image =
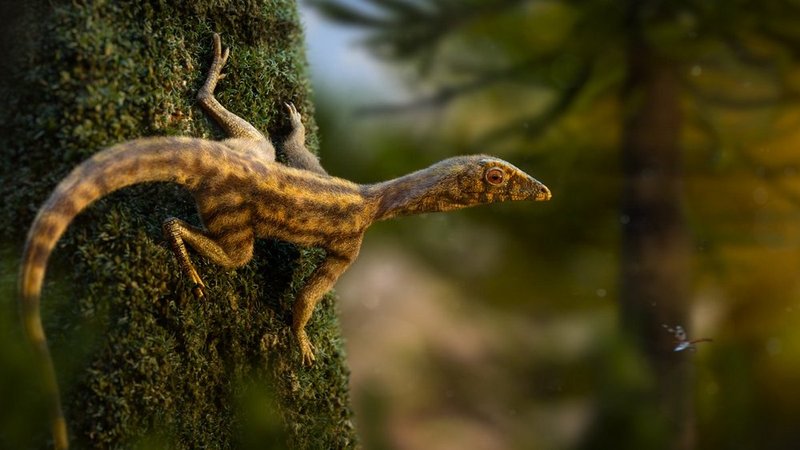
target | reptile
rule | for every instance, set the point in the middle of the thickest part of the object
(243, 193)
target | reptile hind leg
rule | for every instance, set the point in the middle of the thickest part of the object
(231, 252)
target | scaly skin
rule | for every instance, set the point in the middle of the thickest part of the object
(242, 194)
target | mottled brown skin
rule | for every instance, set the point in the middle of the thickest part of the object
(242, 194)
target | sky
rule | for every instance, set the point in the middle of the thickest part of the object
(340, 64)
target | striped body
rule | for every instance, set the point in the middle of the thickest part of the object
(271, 200)
(240, 196)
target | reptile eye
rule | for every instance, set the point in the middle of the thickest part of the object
(495, 176)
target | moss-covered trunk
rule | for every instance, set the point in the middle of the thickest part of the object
(140, 361)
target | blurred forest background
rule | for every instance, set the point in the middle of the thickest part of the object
(667, 132)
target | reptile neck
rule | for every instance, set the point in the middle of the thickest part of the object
(416, 193)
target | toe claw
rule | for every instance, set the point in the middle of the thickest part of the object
(199, 291)
(308, 357)
(294, 115)
(225, 54)
(220, 54)
(306, 349)
(217, 43)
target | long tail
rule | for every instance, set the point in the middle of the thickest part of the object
(143, 160)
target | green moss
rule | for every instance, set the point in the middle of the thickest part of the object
(142, 363)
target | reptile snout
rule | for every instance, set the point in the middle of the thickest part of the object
(537, 191)
(543, 194)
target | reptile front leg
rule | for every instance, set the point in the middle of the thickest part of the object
(294, 146)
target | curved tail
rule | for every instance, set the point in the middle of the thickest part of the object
(137, 161)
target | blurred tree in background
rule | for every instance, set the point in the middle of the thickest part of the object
(666, 131)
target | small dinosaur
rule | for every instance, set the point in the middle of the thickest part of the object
(242, 194)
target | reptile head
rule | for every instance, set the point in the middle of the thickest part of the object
(457, 183)
(485, 179)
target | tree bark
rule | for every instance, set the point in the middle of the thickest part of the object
(140, 361)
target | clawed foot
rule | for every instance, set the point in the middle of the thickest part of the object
(199, 288)
(215, 71)
(306, 349)
(294, 116)
(220, 56)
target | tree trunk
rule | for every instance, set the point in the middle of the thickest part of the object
(655, 257)
(140, 361)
